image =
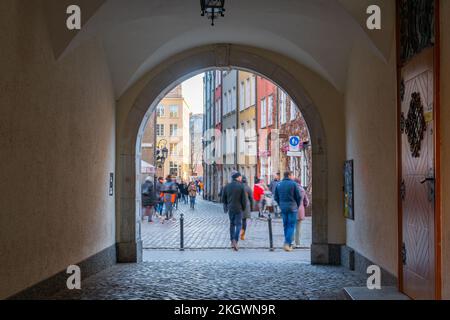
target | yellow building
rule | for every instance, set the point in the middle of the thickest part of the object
(172, 131)
(247, 146)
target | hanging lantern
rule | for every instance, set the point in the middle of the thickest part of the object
(212, 9)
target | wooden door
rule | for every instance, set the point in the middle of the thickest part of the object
(419, 163)
(418, 177)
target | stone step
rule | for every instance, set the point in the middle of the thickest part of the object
(363, 293)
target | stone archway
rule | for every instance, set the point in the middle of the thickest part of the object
(158, 83)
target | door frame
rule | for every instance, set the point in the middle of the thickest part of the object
(437, 157)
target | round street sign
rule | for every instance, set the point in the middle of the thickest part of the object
(294, 143)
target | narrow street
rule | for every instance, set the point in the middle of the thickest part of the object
(209, 270)
(207, 227)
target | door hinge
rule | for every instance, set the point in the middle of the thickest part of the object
(404, 253)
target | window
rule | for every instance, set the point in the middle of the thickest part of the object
(247, 93)
(263, 113)
(174, 111)
(160, 130)
(242, 96)
(173, 130)
(173, 149)
(270, 111)
(229, 104)
(234, 141)
(293, 110)
(242, 136)
(225, 142)
(225, 103)
(233, 99)
(304, 170)
(252, 91)
(218, 78)
(173, 167)
(160, 111)
(283, 107)
(218, 111)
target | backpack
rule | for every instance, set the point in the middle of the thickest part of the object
(147, 189)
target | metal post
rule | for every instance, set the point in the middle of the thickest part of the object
(269, 221)
(182, 232)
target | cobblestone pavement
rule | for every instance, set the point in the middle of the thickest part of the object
(207, 227)
(218, 275)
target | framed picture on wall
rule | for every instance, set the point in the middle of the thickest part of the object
(349, 211)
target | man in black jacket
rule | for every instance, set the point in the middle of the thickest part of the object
(234, 203)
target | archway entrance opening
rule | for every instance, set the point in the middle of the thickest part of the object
(202, 132)
(158, 82)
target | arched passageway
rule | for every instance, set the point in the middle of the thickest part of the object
(158, 83)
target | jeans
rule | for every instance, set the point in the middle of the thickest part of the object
(169, 210)
(192, 202)
(289, 222)
(235, 225)
(159, 208)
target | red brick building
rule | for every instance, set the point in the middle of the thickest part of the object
(267, 123)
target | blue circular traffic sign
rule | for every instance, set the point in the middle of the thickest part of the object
(294, 141)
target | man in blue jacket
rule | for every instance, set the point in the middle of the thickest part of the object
(288, 197)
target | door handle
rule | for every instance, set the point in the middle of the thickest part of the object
(427, 180)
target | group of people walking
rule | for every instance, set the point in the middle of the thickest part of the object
(288, 194)
(162, 198)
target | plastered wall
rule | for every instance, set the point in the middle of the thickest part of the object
(370, 120)
(57, 142)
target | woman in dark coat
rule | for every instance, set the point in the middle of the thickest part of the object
(248, 208)
(148, 198)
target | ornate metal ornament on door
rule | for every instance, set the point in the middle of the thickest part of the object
(415, 124)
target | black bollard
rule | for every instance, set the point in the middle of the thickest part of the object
(269, 221)
(182, 232)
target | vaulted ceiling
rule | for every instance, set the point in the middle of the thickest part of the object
(139, 34)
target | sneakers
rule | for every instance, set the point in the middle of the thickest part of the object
(288, 248)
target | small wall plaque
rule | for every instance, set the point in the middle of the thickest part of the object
(111, 184)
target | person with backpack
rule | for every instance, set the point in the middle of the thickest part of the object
(160, 196)
(192, 191)
(148, 198)
(272, 187)
(184, 192)
(170, 191)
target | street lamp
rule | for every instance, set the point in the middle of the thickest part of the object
(162, 153)
(212, 9)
